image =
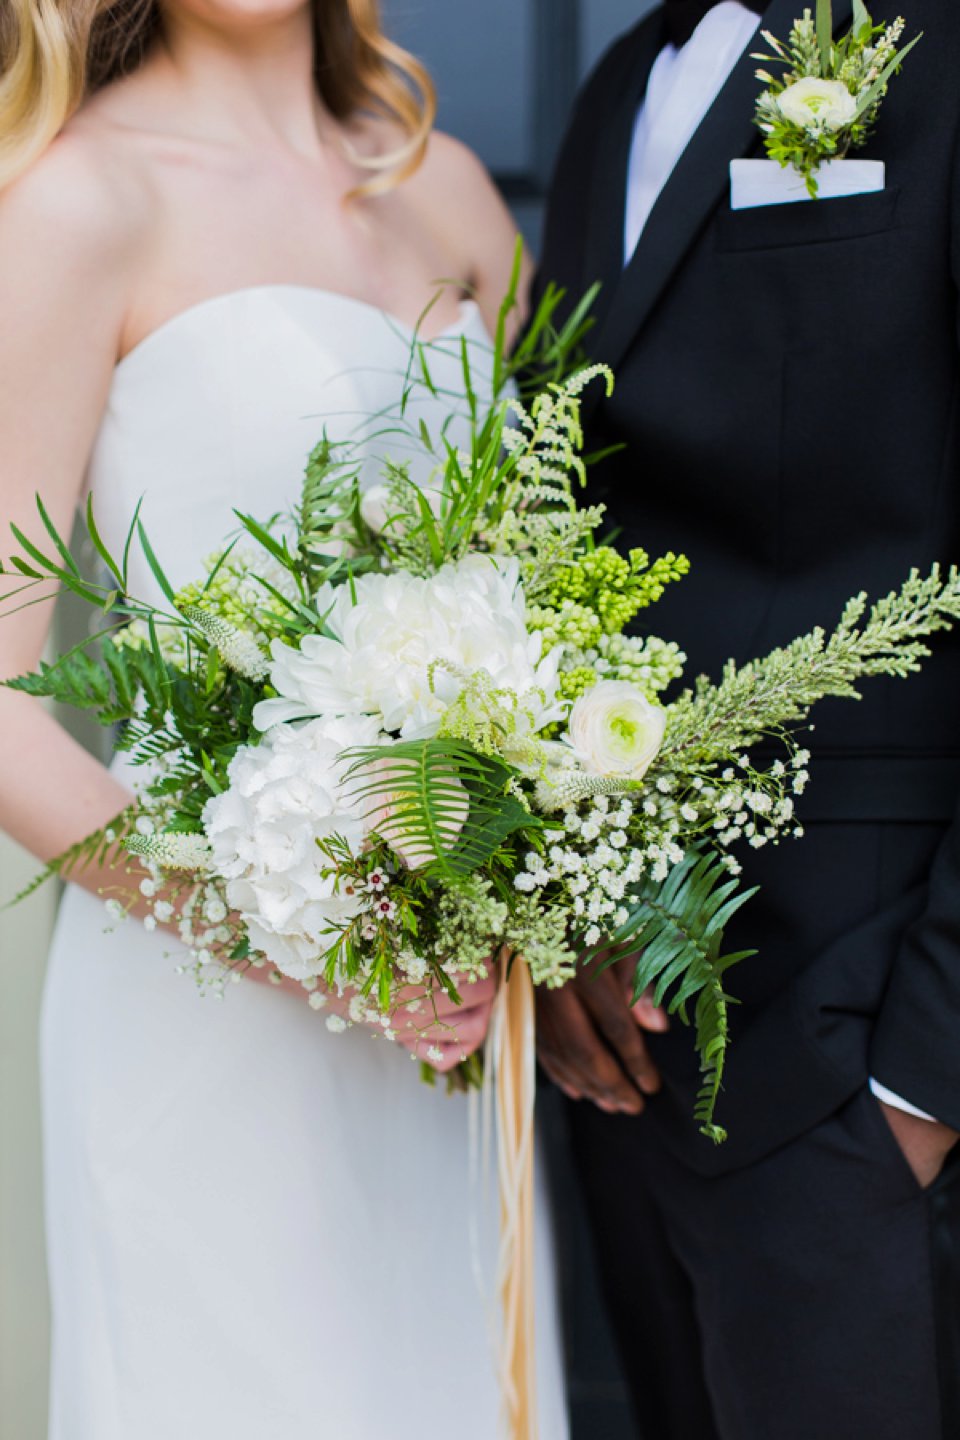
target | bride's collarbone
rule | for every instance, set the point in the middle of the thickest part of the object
(220, 247)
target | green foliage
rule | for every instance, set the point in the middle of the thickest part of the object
(194, 717)
(329, 512)
(107, 687)
(549, 349)
(763, 697)
(467, 1076)
(676, 928)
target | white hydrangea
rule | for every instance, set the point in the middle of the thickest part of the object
(284, 795)
(402, 647)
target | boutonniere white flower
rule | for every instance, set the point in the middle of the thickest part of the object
(825, 101)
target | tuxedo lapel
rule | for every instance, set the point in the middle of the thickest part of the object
(606, 209)
(696, 186)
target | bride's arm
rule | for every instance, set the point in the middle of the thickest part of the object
(68, 241)
(71, 233)
(469, 212)
(70, 237)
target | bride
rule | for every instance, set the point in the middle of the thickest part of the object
(220, 223)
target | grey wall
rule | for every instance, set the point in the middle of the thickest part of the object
(24, 934)
(507, 72)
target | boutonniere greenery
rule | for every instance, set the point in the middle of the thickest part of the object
(824, 102)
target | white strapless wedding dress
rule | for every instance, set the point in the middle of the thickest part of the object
(258, 1230)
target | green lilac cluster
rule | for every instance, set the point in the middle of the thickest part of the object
(237, 589)
(571, 684)
(600, 593)
(646, 661)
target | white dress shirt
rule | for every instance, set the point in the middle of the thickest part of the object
(682, 87)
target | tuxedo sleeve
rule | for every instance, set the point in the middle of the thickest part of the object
(916, 1044)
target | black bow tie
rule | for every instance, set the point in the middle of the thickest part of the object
(681, 17)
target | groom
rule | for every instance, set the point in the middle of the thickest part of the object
(788, 396)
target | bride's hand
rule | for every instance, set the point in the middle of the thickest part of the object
(441, 1032)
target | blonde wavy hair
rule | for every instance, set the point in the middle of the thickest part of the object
(54, 53)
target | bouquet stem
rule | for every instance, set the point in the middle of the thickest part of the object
(513, 1053)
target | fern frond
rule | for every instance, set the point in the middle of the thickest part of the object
(440, 799)
(677, 928)
(107, 685)
(103, 845)
(329, 507)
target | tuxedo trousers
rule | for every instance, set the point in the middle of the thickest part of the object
(814, 1293)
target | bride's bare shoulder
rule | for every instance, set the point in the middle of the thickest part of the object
(466, 208)
(84, 205)
(452, 175)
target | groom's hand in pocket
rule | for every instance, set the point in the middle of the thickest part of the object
(590, 1038)
(925, 1143)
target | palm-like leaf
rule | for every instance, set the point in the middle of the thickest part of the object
(440, 801)
(677, 929)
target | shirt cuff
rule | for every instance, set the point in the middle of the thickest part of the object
(889, 1098)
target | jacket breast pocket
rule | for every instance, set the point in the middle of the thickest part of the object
(814, 222)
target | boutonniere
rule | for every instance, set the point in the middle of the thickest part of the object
(825, 101)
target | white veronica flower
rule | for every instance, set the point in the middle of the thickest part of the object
(616, 731)
(388, 634)
(284, 795)
(817, 105)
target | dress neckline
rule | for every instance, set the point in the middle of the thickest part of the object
(468, 308)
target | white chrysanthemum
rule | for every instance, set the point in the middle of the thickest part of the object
(284, 795)
(389, 632)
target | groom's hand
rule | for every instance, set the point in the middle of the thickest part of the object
(590, 1038)
(925, 1143)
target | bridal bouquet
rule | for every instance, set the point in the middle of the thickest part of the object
(396, 731)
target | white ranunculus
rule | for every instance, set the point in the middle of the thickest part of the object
(615, 730)
(284, 795)
(376, 508)
(388, 631)
(817, 104)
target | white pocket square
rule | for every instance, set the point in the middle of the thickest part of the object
(765, 182)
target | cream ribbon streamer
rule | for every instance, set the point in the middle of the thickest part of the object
(512, 1064)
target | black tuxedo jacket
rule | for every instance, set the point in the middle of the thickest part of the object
(788, 390)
